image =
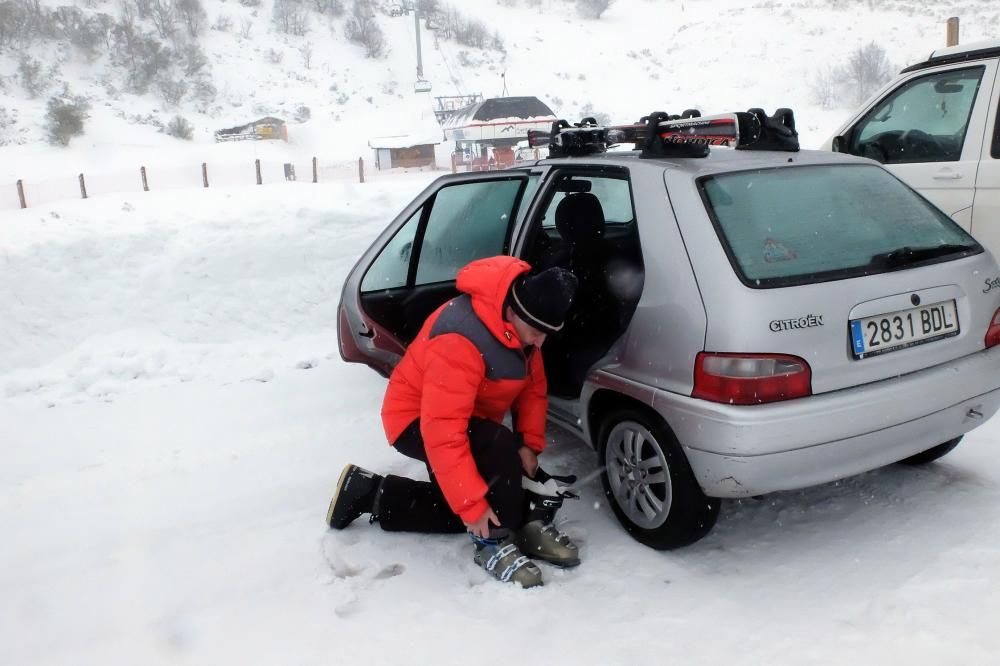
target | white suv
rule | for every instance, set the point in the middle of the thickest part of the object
(937, 127)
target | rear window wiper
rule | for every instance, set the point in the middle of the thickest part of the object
(907, 255)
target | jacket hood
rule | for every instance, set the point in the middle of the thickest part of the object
(487, 281)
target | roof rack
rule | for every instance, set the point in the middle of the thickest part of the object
(664, 135)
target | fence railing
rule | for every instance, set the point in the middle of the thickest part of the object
(26, 192)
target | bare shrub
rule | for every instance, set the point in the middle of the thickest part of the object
(472, 32)
(329, 7)
(275, 57)
(866, 70)
(8, 123)
(223, 23)
(65, 116)
(824, 89)
(171, 91)
(83, 32)
(363, 29)
(142, 7)
(34, 79)
(203, 92)
(250, 3)
(306, 52)
(164, 16)
(21, 22)
(192, 14)
(192, 59)
(302, 113)
(290, 16)
(142, 56)
(467, 31)
(180, 128)
(592, 8)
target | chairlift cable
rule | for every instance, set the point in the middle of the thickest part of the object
(460, 84)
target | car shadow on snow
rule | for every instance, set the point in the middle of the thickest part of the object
(885, 513)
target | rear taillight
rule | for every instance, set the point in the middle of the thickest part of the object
(750, 379)
(993, 332)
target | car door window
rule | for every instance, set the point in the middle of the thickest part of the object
(467, 222)
(392, 266)
(462, 222)
(925, 120)
(613, 193)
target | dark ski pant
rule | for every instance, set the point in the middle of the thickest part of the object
(405, 505)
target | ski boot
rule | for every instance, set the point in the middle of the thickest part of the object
(354, 496)
(538, 537)
(502, 560)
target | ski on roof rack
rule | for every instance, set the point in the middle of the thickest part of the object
(664, 135)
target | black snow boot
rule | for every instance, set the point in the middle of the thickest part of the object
(354, 496)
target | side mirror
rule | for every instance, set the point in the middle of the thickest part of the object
(839, 144)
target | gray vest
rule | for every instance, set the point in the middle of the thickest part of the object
(459, 317)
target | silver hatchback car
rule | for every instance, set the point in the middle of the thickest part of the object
(748, 320)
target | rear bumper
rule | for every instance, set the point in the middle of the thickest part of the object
(736, 451)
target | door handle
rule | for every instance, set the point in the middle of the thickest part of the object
(366, 332)
(947, 174)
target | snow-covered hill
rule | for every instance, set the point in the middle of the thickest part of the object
(641, 55)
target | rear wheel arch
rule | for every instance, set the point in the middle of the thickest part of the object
(605, 402)
(687, 514)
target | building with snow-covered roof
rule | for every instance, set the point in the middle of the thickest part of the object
(486, 133)
(499, 121)
(414, 144)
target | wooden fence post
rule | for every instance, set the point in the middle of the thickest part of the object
(361, 169)
(145, 183)
(20, 194)
(315, 172)
(952, 36)
(83, 187)
(454, 164)
(257, 166)
(204, 173)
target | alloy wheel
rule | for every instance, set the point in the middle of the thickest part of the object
(638, 474)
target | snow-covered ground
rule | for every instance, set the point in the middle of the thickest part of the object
(174, 414)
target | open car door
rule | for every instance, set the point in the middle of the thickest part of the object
(410, 270)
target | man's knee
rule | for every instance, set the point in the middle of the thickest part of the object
(485, 433)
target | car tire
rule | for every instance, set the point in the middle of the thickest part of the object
(932, 454)
(649, 483)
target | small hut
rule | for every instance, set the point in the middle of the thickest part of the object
(414, 146)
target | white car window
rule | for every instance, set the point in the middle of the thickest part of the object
(924, 120)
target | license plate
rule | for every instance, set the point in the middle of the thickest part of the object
(904, 328)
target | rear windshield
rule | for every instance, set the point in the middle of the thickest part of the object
(803, 224)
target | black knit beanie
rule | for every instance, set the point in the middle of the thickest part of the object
(542, 300)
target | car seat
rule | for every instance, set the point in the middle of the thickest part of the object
(592, 321)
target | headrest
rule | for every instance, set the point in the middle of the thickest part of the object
(580, 218)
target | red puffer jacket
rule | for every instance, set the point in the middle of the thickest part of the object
(467, 361)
